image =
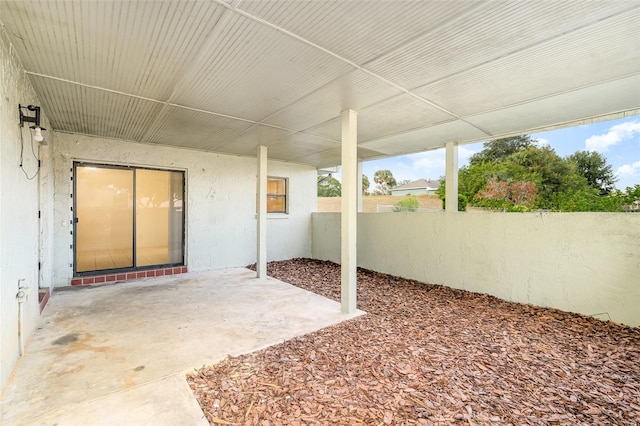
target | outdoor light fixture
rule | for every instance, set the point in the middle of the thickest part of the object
(37, 136)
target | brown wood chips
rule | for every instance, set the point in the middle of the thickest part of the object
(429, 355)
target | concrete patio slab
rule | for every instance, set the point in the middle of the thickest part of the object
(109, 351)
(163, 402)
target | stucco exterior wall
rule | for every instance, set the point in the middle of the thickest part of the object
(19, 225)
(587, 263)
(221, 201)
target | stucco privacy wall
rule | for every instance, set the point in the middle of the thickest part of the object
(579, 262)
(221, 201)
(19, 228)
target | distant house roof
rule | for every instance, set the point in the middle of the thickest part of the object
(419, 184)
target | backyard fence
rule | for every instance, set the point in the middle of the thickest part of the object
(386, 208)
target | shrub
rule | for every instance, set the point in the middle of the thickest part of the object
(462, 203)
(409, 203)
(518, 208)
(507, 196)
(588, 200)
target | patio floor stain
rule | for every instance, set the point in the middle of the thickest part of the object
(66, 339)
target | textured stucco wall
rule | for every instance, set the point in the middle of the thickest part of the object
(221, 200)
(579, 262)
(19, 226)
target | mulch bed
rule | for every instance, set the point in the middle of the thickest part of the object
(427, 354)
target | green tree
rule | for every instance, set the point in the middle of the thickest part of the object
(517, 164)
(593, 166)
(513, 174)
(550, 172)
(330, 187)
(631, 198)
(499, 149)
(385, 181)
(473, 178)
(365, 185)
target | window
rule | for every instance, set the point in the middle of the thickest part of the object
(277, 195)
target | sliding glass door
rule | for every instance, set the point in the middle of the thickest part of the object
(127, 218)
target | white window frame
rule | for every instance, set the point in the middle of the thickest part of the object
(286, 197)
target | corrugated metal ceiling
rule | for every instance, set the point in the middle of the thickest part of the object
(227, 76)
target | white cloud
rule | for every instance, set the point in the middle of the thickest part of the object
(541, 142)
(428, 160)
(431, 164)
(465, 153)
(615, 135)
(629, 169)
(436, 158)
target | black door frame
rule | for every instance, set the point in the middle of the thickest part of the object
(133, 169)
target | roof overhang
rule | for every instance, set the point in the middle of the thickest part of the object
(229, 76)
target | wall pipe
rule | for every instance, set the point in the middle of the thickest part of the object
(21, 297)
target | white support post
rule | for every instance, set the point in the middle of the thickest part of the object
(349, 210)
(359, 185)
(451, 177)
(261, 263)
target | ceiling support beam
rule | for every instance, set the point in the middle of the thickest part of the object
(166, 104)
(349, 215)
(451, 177)
(261, 262)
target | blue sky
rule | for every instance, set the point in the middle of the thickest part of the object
(618, 140)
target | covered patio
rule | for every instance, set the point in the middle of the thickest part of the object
(118, 354)
(218, 99)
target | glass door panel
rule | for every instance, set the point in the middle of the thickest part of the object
(104, 218)
(159, 217)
